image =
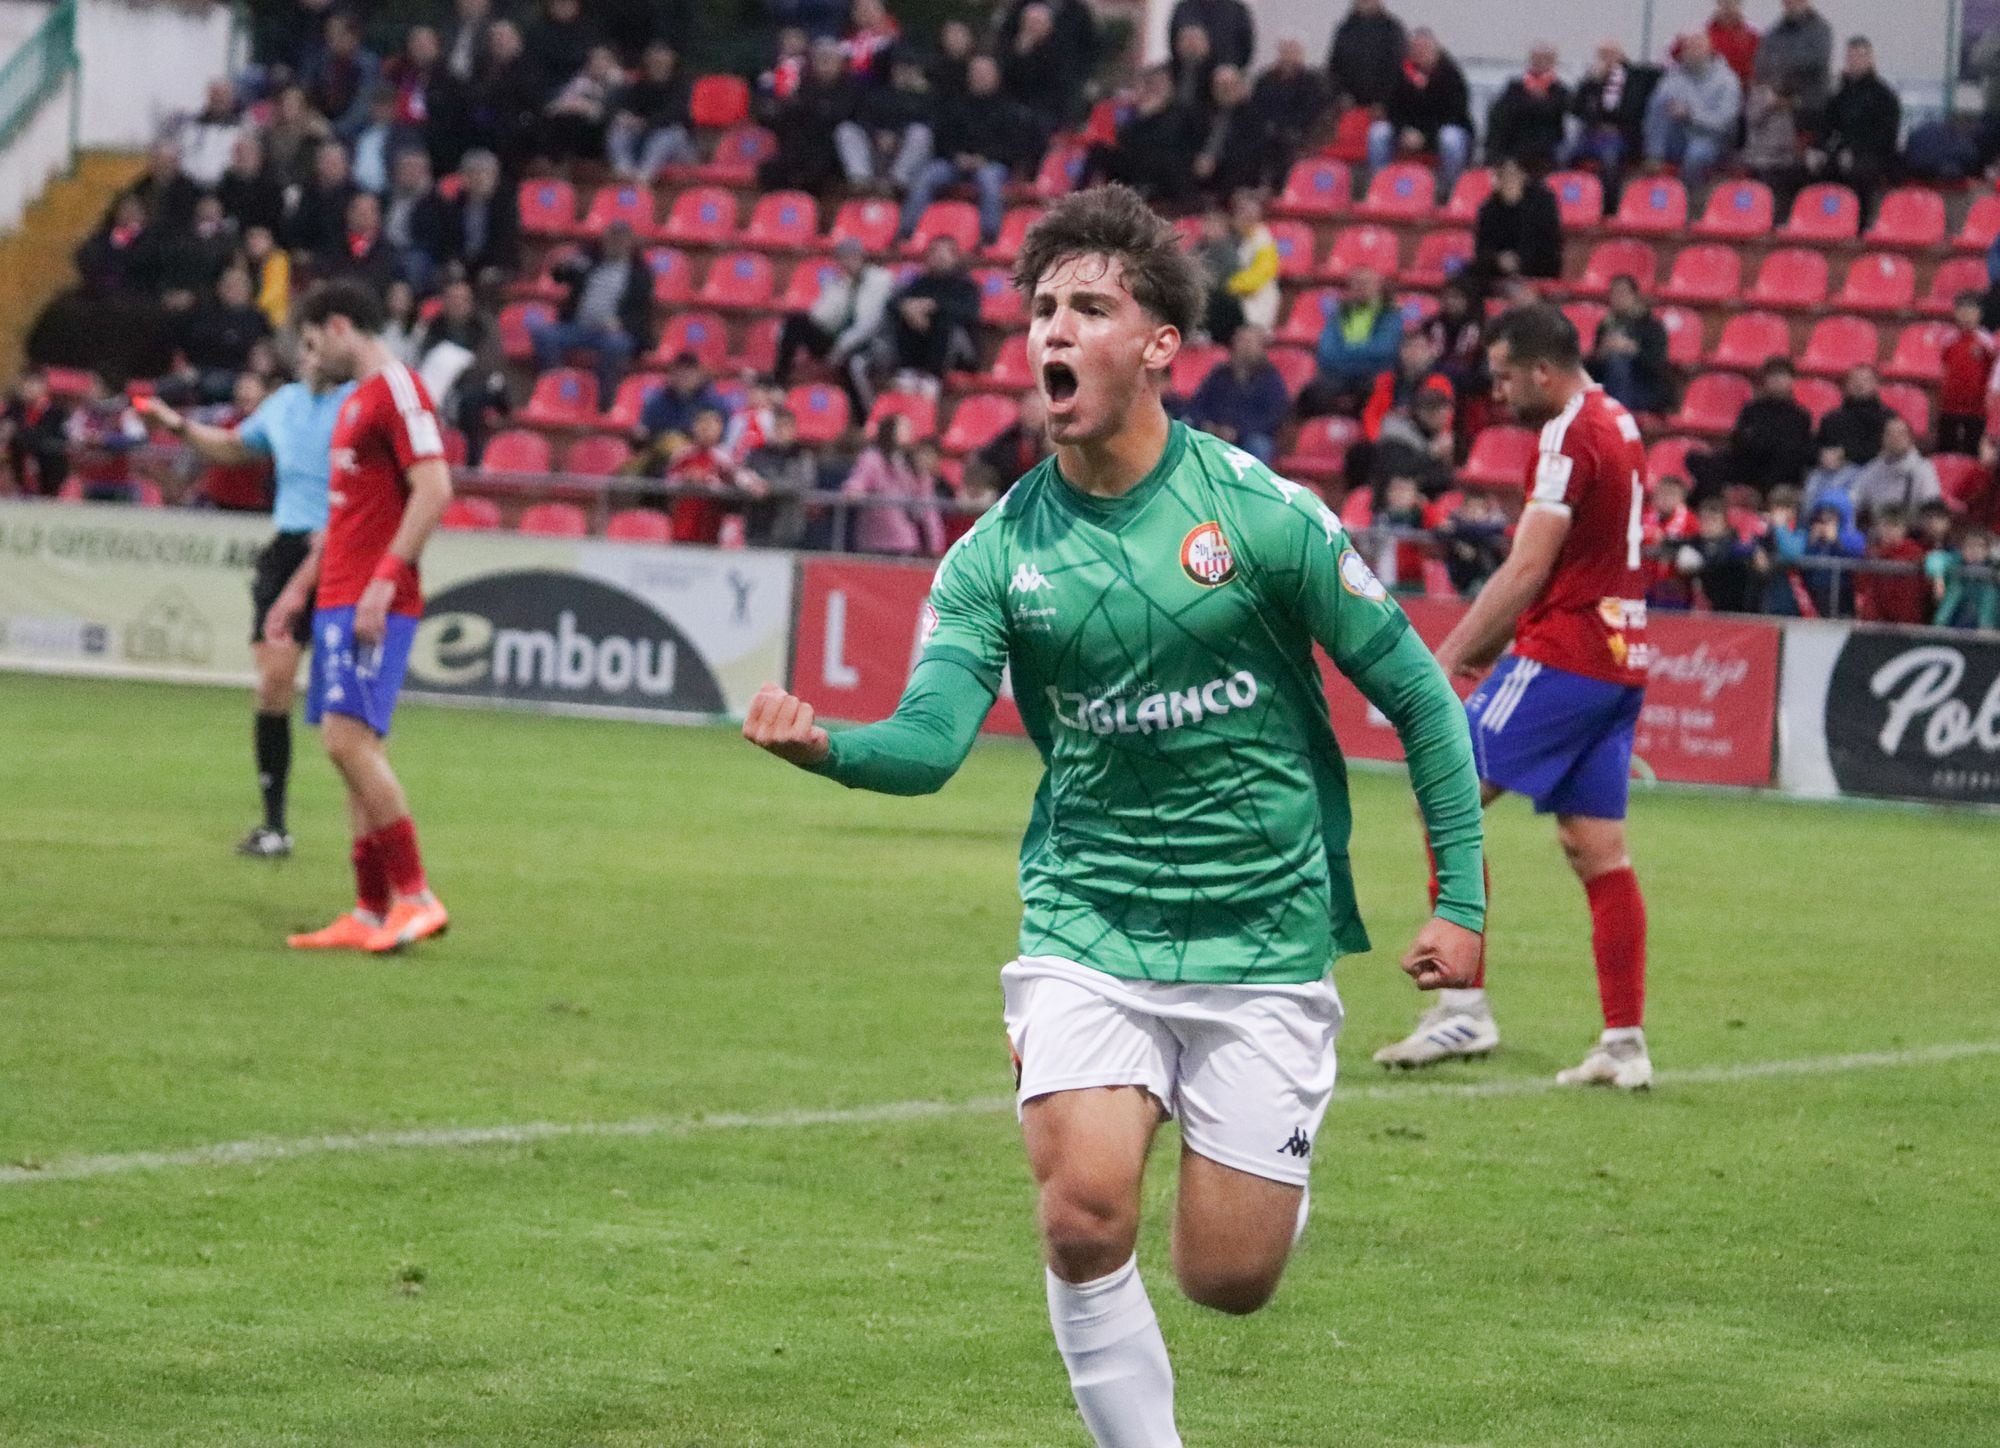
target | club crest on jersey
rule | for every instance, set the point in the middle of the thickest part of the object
(1359, 579)
(1205, 556)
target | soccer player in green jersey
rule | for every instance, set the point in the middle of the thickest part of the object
(1155, 595)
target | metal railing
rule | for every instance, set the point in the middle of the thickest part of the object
(37, 70)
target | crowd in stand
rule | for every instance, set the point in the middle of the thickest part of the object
(350, 151)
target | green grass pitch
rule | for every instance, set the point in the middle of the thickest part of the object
(659, 923)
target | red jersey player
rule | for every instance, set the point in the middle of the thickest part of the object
(1555, 718)
(390, 485)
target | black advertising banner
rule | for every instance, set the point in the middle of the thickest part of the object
(1916, 716)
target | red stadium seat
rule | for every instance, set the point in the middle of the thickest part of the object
(517, 451)
(1683, 335)
(1368, 246)
(563, 397)
(543, 286)
(1350, 136)
(1013, 231)
(554, 520)
(1793, 277)
(1316, 186)
(1712, 402)
(631, 399)
(1296, 365)
(1294, 240)
(1467, 195)
(1608, 259)
(737, 156)
(1000, 301)
(1586, 317)
(1401, 191)
(673, 278)
(1981, 225)
(1667, 458)
(1964, 481)
(1305, 322)
(471, 515)
(1100, 127)
(1737, 211)
(1441, 255)
(1909, 218)
(1357, 509)
(632, 205)
(1749, 339)
(1912, 404)
(1878, 282)
(1499, 458)
(1960, 274)
(1062, 168)
(918, 412)
(1839, 344)
(739, 281)
(1579, 199)
(804, 287)
(1321, 450)
(1192, 366)
(701, 216)
(821, 412)
(597, 456)
(1816, 395)
(1705, 275)
(958, 220)
(514, 321)
(1010, 371)
(548, 208)
(1918, 355)
(702, 333)
(978, 420)
(759, 352)
(1824, 213)
(783, 221)
(718, 101)
(639, 525)
(1652, 204)
(870, 222)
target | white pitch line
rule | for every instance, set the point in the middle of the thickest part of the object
(257, 1151)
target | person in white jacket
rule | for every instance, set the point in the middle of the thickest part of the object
(1691, 118)
(845, 317)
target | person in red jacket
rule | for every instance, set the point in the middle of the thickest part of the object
(1893, 597)
(1734, 39)
(1968, 366)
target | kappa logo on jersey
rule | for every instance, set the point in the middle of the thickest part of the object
(1300, 1145)
(1028, 579)
(1359, 579)
(1205, 556)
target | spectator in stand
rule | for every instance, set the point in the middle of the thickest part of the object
(270, 268)
(319, 213)
(559, 43)
(1934, 526)
(1778, 554)
(607, 309)
(505, 102)
(249, 195)
(1243, 400)
(374, 146)
(362, 252)
(1076, 41)
(1796, 57)
(1238, 152)
(1610, 109)
(666, 421)
(1526, 122)
(207, 138)
(399, 328)
(1214, 251)
(1629, 356)
(1474, 541)
(1771, 444)
(192, 259)
(1360, 339)
(1036, 70)
(787, 73)
(946, 70)
(1252, 281)
(808, 123)
(1861, 130)
(1968, 367)
(414, 217)
(1964, 583)
(1692, 117)
(930, 325)
(103, 433)
(1719, 563)
(982, 137)
(785, 470)
(871, 38)
(1399, 561)
(1669, 522)
(1773, 150)
(1232, 33)
(1518, 231)
(1456, 333)
(890, 142)
(482, 225)
(1829, 591)
(1001, 463)
(168, 195)
(649, 119)
(845, 317)
(1428, 112)
(34, 425)
(1734, 40)
(1415, 442)
(123, 255)
(1293, 100)
(1400, 385)
(1898, 477)
(1831, 485)
(886, 470)
(430, 102)
(1192, 65)
(1366, 53)
(465, 46)
(341, 79)
(1155, 148)
(293, 137)
(1856, 425)
(705, 464)
(576, 123)
(1902, 595)
(459, 358)
(215, 340)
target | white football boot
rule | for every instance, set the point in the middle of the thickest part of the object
(1618, 1059)
(1459, 1027)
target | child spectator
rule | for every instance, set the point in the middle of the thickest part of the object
(1779, 553)
(704, 463)
(1399, 562)
(1899, 596)
(785, 470)
(1831, 485)
(102, 433)
(1718, 561)
(886, 469)
(1668, 522)
(1965, 583)
(1829, 591)
(1399, 386)
(1456, 333)
(1415, 442)
(34, 427)
(1968, 366)
(1475, 541)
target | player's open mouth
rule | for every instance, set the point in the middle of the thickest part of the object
(1058, 382)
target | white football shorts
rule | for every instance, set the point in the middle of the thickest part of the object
(1248, 1069)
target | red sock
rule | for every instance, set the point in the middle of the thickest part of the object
(1486, 873)
(401, 861)
(371, 878)
(1618, 941)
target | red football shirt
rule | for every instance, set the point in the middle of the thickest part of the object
(1590, 617)
(384, 428)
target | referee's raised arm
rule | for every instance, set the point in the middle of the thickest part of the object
(219, 445)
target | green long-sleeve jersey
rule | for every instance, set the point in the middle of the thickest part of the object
(1192, 823)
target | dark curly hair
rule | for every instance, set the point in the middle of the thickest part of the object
(1113, 221)
(354, 300)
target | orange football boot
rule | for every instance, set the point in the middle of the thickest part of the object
(349, 931)
(408, 922)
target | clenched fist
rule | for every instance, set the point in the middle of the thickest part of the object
(1443, 956)
(783, 724)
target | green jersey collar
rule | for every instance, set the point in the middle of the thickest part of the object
(1114, 512)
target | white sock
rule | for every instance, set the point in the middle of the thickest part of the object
(1614, 1034)
(1305, 1211)
(1117, 1360)
(1467, 1002)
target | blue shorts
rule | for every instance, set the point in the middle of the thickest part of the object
(361, 683)
(1563, 740)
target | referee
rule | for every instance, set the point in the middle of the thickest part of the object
(293, 428)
